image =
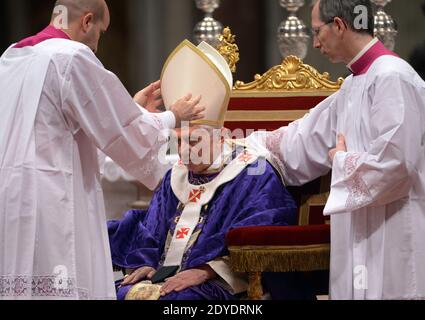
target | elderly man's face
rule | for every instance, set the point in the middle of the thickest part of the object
(324, 36)
(198, 147)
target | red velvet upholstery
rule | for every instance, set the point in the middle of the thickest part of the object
(279, 236)
(253, 104)
(274, 103)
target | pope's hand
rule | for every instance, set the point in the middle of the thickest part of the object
(340, 146)
(187, 109)
(187, 279)
(150, 97)
(144, 273)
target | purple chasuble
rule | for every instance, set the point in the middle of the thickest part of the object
(140, 238)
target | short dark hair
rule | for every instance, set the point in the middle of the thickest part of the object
(345, 10)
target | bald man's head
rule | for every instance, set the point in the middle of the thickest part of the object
(83, 20)
(77, 8)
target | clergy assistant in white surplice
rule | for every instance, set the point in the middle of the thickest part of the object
(58, 107)
(371, 134)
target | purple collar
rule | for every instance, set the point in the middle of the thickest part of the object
(49, 33)
(362, 65)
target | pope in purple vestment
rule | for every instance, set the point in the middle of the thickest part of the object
(140, 238)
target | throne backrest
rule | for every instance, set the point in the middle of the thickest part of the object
(283, 94)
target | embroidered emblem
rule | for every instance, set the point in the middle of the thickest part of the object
(182, 233)
(195, 195)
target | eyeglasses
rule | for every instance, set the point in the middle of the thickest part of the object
(316, 31)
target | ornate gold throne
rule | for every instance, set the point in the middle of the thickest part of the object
(283, 94)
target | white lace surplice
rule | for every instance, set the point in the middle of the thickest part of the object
(53, 235)
(377, 200)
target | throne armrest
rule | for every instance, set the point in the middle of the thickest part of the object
(280, 249)
(255, 250)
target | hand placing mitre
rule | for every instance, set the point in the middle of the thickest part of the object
(144, 273)
(150, 97)
(188, 278)
(340, 146)
(187, 109)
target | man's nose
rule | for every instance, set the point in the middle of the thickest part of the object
(316, 43)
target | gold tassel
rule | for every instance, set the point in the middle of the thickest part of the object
(280, 259)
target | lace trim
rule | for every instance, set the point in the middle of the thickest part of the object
(150, 165)
(40, 286)
(273, 142)
(152, 159)
(358, 190)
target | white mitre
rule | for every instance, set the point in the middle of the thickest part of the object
(200, 70)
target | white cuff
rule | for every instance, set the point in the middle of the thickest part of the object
(237, 281)
(168, 119)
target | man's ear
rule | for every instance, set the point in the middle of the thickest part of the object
(340, 25)
(87, 21)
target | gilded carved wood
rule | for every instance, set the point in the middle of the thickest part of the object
(291, 75)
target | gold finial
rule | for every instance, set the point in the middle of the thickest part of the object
(291, 75)
(229, 49)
